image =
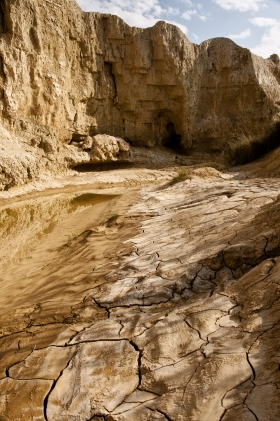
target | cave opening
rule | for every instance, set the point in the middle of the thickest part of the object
(5, 17)
(3, 27)
(172, 139)
(2, 71)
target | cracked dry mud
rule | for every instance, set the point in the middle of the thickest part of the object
(171, 312)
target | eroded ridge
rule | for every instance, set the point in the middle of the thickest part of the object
(179, 323)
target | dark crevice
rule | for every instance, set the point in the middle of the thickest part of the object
(140, 353)
(109, 68)
(3, 22)
(91, 341)
(250, 410)
(3, 76)
(53, 386)
(45, 403)
(103, 307)
(110, 307)
(233, 388)
(223, 414)
(7, 371)
(104, 166)
(190, 326)
(164, 414)
(252, 368)
(261, 333)
(6, 24)
(178, 361)
(28, 380)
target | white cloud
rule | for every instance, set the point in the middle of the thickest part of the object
(187, 2)
(188, 14)
(270, 41)
(195, 36)
(263, 21)
(199, 6)
(171, 11)
(179, 25)
(118, 6)
(203, 18)
(140, 13)
(240, 5)
(242, 35)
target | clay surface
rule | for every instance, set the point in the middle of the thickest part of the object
(168, 311)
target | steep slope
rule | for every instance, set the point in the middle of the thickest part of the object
(66, 75)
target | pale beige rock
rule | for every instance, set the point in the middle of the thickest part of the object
(236, 341)
(264, 401)
(100, 376)
(175, 334)
(43, 364)
(201, 399)
(100, 331)
(205, 322)
(140, 413)
(108, 148)
(14, 348)
(264, 355)
(140, 396)
(30, 392)
(134, 401)
(171, 375)
(237, 396)
(240, 413)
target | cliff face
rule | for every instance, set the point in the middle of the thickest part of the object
(66, 75)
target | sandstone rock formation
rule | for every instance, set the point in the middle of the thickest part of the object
(171, 310)
(66, 75)
(22, 161)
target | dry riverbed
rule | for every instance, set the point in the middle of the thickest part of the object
(160, 302)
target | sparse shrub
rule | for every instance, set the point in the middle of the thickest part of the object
(249, 151)
(181, 176)
(112, 218)
(217, 165)
(71, 237)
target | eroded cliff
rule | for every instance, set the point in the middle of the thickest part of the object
(66, 75)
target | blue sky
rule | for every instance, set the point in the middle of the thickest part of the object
(254, 24)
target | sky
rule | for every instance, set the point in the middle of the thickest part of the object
(254, 24)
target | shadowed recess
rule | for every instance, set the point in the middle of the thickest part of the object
(248, 152)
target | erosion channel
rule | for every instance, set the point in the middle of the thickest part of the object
(139, 265)
(159, 304)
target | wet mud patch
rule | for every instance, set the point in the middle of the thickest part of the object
(24, 224)
(90, 199)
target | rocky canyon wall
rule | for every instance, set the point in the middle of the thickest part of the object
(66, 75)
